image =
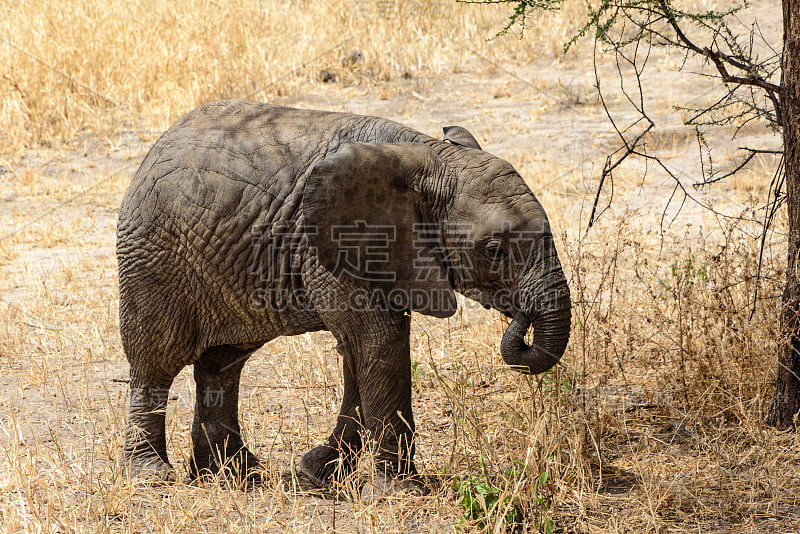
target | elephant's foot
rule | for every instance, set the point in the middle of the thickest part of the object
(240, 465)
(324, 464)
(148, 469)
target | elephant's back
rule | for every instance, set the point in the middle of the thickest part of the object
(212, 176)
(215, 159)
(191, 220)
(231, 162)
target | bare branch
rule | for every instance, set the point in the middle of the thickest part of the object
(775, 188)
(720, 59)
(752, 152)
(774, 92)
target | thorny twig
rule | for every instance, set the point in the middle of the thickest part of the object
(721, 61)
(751, 153)
(629, 147)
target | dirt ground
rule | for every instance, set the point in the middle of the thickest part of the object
(650, 459)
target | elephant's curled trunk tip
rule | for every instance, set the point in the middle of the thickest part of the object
(550, 337)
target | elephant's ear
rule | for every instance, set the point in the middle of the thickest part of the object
(460, 136)
(366, 214)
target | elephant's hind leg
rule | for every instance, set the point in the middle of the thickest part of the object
(145, 449)
(336, 458)
(216, 436)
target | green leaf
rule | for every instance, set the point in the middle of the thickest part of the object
(483, 488)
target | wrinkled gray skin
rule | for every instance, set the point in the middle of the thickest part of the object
(230, 236)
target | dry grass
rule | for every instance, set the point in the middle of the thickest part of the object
(652, 424)
(72, 67)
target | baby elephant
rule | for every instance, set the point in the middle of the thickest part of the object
(248, 221)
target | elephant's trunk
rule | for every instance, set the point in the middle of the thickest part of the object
(545, 305)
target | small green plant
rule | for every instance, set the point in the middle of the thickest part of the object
(546, 525)
(482, 502)
(415, 373)
(685, 273)
(689, 270)
(558, 381)
(558, 385)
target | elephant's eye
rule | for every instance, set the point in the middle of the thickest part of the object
(495, 250)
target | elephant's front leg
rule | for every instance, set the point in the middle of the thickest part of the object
(377, 399)
(337, 458)
(384, 381)
(216, 436)
(379, 343)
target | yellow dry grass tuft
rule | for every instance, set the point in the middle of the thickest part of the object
(72, 67)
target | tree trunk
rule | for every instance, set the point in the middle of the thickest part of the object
(786, 398)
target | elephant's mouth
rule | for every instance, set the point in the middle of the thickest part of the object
(507, 313)
(492, 300)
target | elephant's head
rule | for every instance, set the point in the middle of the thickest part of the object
(410, 223)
